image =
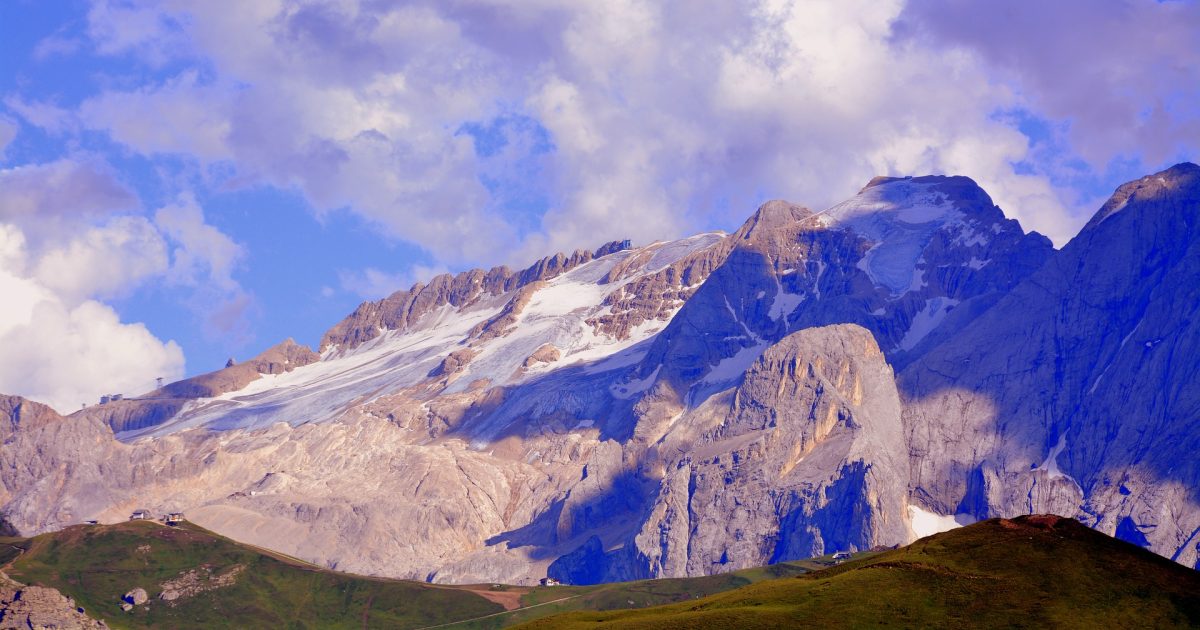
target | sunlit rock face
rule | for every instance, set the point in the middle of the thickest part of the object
(905, 361)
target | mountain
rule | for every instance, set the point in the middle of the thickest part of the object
(902, 362)
(1077, 393)
(1031, 571)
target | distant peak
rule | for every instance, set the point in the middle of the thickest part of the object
(771, 215)
(1166, 182)
(952, 181)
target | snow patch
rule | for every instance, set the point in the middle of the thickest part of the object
(926, 320)
(629, 389)
(926, 523)
(783, 303)
(731, 368)
(345, 378)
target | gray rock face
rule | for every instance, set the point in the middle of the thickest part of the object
(912, 260)
(796, 461)
(696, 406)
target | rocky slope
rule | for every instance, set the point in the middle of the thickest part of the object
(689, 407)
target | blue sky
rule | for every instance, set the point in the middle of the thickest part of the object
(185, 181)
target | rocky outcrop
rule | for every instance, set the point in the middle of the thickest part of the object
(453, 364)
(196, 581)
(546, 353)
(38, 607)
(20, 414)
(136, 596)
(278, 359)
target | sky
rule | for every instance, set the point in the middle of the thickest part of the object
(186, 181)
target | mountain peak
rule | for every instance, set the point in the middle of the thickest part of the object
(910, 200)
(1166, 182)
(771, 215)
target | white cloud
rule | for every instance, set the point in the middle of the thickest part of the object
(1126, 75)
(67, 243)
(204, 258)
(65, 355)
(103, 262)
(203, 254)
(197, 118)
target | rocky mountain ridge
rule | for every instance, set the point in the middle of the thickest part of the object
(816, 381)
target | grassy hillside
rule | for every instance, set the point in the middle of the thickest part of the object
(1028, 572)
(96, 565)
(542, 602)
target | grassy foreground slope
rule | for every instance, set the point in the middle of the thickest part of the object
(98, 564)
(1032, 572)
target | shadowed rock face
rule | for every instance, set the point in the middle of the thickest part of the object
(690, 407)
(1077, 393)
(912, 260)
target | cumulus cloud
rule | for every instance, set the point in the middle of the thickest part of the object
(203, 254)
(194, 118)
(71, 238)
(106, 261)
(67, 354)
(45, 199)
